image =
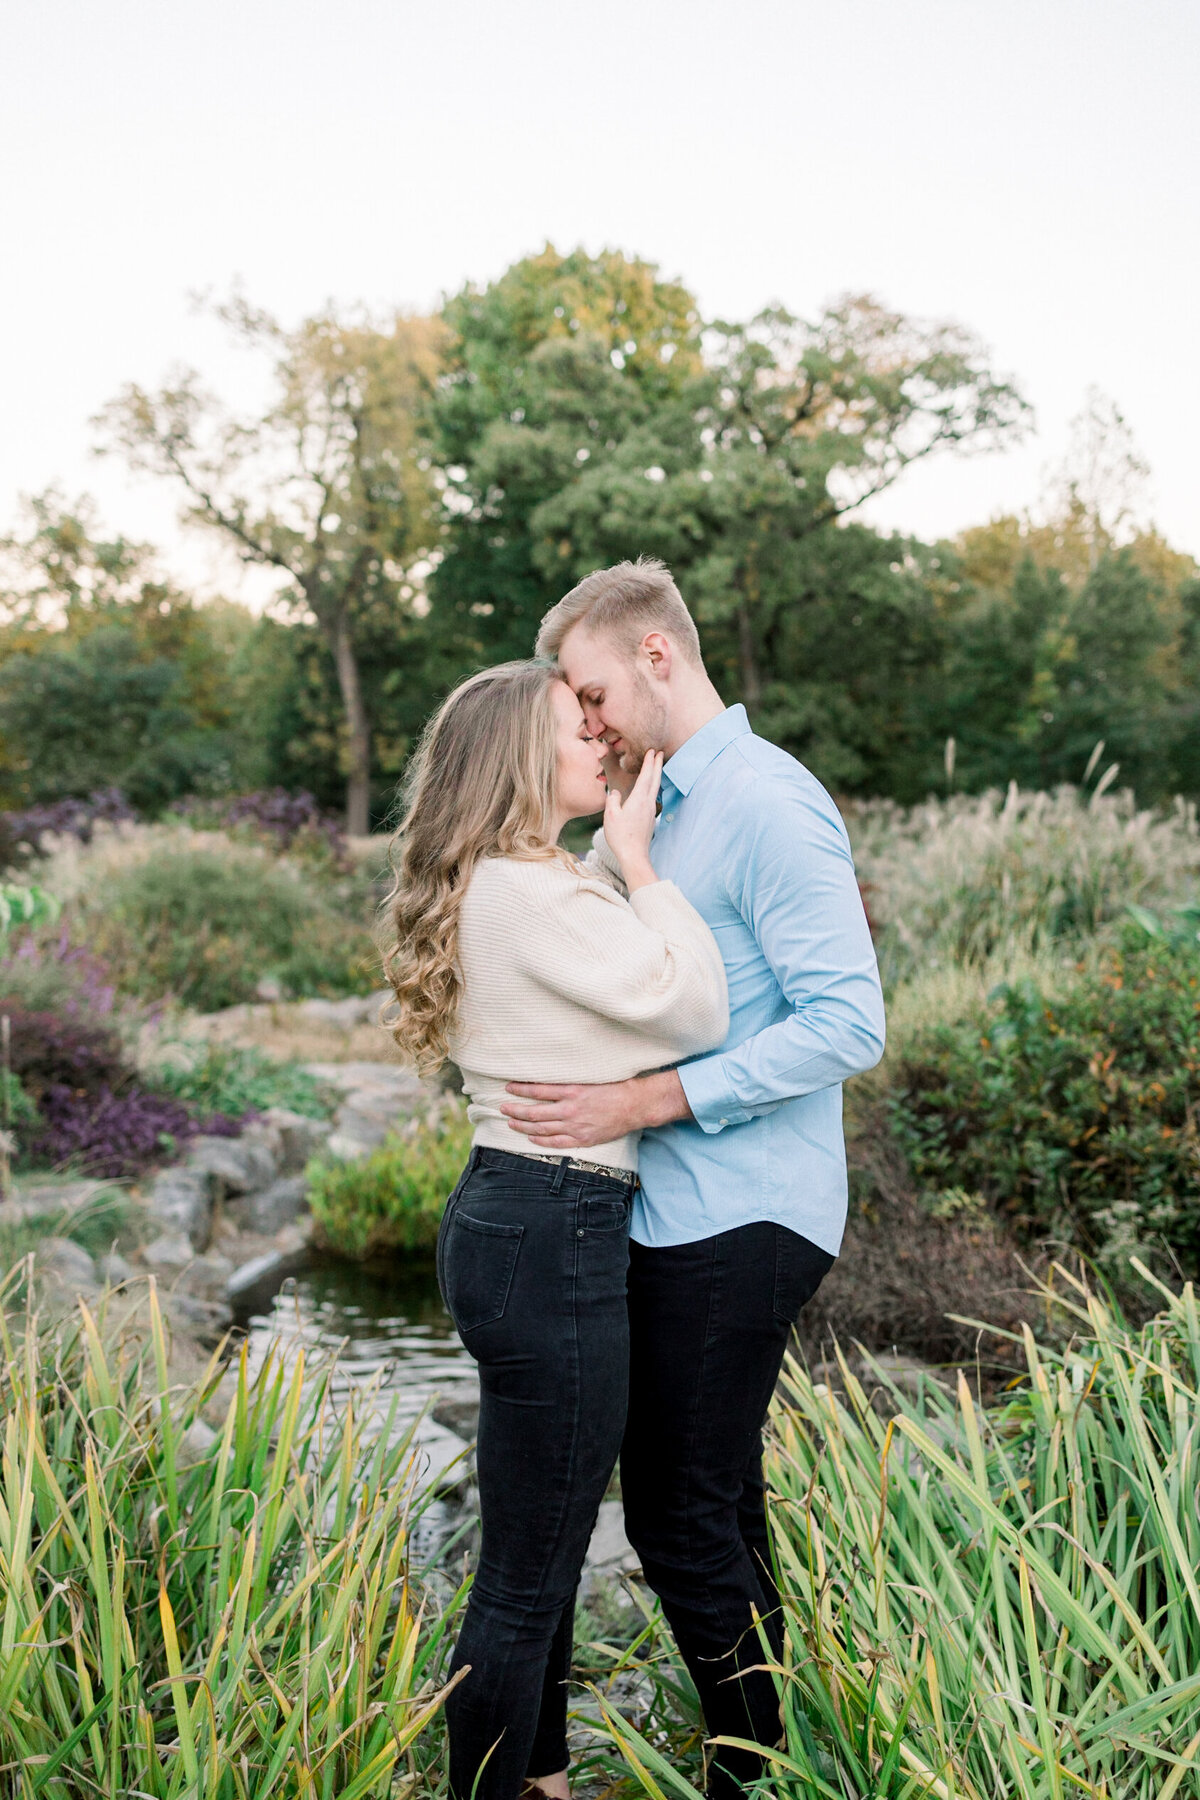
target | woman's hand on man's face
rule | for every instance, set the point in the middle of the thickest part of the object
(629, 821)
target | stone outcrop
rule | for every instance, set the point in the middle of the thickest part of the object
(376, 1099)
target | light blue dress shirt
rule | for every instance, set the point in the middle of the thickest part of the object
(758, 847)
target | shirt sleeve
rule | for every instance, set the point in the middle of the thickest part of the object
(792, 880)
(649, 962)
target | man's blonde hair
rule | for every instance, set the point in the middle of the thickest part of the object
(622, 604)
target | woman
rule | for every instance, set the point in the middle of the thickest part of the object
(523, 964)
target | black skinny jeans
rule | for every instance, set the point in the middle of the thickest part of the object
(532, 1260)
(709, 1324)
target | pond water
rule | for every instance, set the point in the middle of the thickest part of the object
(386, 1321)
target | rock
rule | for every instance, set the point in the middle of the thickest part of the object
(459, 1413)
(206, 1277)
(379, 1098)
(353, 1145)
(442, 1456)
(168, 1254)
(51, 1202)
(196, 1442)
(343, 1015)
(298, 1138)
(907, 1373)
(181, 1200)
(240, 1165)
(269, 990)
(208, 1318)
(280, 1204)
(610, 1552)
(262, 1275)
(175, 1054)
(377, 1077)
(115, 1269)
(66, 1263)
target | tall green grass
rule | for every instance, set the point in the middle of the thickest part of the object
(195, 1615)
(990, 1604)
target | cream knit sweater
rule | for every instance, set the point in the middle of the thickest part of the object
(565, 979)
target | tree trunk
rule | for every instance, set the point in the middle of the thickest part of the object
(358, 731)
(748, 657)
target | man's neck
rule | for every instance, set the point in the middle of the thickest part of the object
(689, 713)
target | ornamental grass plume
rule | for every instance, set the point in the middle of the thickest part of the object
(999, 876)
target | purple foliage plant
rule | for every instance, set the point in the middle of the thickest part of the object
(66, 818)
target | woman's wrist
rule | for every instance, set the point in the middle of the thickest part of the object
(637, 872)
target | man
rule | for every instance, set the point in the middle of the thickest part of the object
(743, 1170)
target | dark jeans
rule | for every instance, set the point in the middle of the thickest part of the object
(709, 1323)
(532, 1259)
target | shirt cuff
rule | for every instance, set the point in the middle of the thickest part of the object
(707, 1093)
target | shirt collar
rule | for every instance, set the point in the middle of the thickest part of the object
(691, 759)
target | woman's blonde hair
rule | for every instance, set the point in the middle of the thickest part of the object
(481, 783)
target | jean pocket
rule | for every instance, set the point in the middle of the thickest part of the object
(604, 1215)
(478, 1262)
(800, 1268)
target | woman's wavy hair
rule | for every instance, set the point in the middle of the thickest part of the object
(481, 783)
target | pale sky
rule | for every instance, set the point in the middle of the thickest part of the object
(1029, 168)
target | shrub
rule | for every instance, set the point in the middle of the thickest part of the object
(49, 972)
(910, 1270)
(207, 1612)
(225, 1078)
(291, 822)
(1073, 1112)
(47, 1051)
(28, 829)
(114, 1135)
(92, 1113)
(19, 1116)
(394, 1198)
(208, 928)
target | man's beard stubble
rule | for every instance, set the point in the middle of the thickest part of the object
(649, 730)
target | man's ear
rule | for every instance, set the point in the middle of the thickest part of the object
(658, 651)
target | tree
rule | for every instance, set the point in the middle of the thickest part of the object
(1101, 483)
(327, 484)
(550, 368)
(61, 574)
(110, 674)
(794, 426)
(77, 716)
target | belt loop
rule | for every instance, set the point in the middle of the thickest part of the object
(473, 1159)
(560, 1175)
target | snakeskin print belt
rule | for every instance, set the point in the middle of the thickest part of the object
(592, 1168)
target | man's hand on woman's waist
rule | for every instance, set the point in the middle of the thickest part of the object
(574, 1116)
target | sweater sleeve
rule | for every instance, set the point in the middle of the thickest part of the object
(649, 962)
(601, 865)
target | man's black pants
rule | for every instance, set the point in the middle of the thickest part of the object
(709, 1323)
